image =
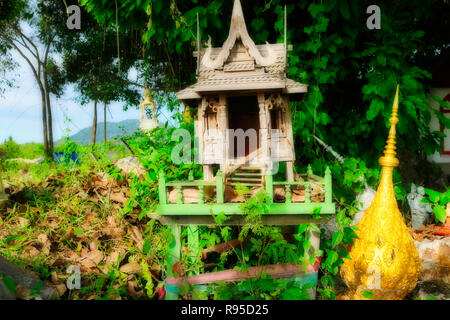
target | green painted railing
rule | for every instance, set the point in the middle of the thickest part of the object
(219, 184)
(321, 181)
(163, 185)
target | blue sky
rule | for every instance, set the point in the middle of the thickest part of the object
(20, 110)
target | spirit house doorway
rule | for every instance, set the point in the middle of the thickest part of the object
(243, 113)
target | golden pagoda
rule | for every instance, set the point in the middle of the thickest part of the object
(384, 262)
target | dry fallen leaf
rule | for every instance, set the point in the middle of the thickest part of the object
(54, 278)
(136, 235)
(118, 197)
(45, 243)
(23, 293)
(91, 259)
(60, 289)
(132, 289)
(131, 268)
(92, 246)
(23, 222)
(33, 252)
(114, 259)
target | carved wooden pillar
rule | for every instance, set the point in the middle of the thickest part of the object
(222, 121)
(290, 135)
(290, 139)
(200, 129)
(289, 171)
(264, 137)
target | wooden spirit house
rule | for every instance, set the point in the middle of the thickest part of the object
(244, 129)
(243, 86)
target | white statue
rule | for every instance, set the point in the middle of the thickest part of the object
(420, 211)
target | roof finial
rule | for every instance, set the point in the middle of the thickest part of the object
(238, 30)
(389, 159)
(238, 13)
(198, 44)
(285, 38)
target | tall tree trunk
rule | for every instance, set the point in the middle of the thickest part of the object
(44, 123)
(94, 124)
(50, 127)
(49, 117)
(47, 99)
(104, 122)
(22, 41)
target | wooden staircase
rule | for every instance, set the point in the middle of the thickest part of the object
(242, 172)
(249, 176)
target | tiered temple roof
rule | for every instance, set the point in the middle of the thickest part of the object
(241, 65)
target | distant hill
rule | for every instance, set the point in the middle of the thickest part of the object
(113, 130)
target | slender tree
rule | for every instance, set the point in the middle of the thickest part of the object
(34, 48)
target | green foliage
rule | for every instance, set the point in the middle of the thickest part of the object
(368, 294)
(333, 52)
(9, 283)
(154, 151)
(438, 201)
(336, 251)
(26, 151)
(67, 146)
(12, 148)
(264, 288)
(261, 245)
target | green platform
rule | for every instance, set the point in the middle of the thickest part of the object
(203, 212)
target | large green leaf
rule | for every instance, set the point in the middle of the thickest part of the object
(440, 213)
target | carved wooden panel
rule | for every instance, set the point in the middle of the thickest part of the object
(213, 144)
(214, 147)
(280, 145)
(281, 149)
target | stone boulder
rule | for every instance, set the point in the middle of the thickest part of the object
(430, 290)
(130, 164)
(24, 281)
(435, 258)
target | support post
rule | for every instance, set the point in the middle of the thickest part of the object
(179, 194)
(309, 171)
(219, 187)
(194, 247)
(290, 171)
(208, 173)
(162, 188)
(264, 129)
(269, 187)
(222, 121)
(307, 192)
(174, 256)
(201, 194)
(288, 194)
(328, 186)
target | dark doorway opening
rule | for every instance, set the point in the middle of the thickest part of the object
(243, 113)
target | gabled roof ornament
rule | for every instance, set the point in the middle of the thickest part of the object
(238, 30)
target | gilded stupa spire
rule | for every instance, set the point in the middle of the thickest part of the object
(384, 259)
(389, 159)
